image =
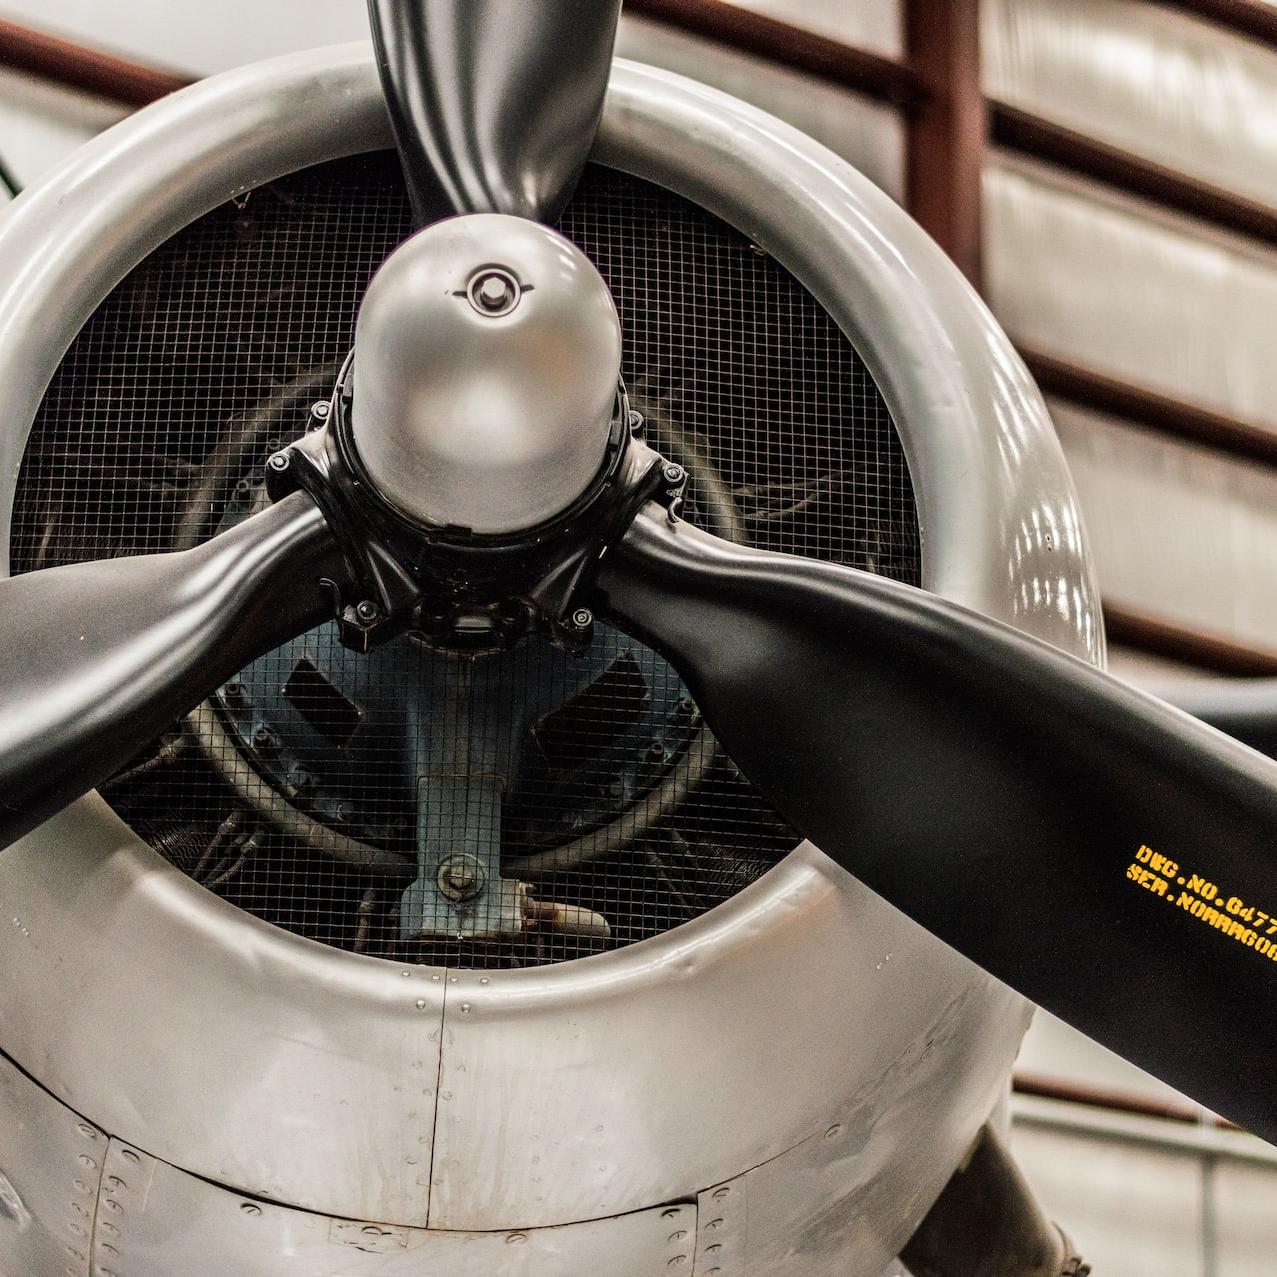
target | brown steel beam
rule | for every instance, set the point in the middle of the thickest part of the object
(86, 70)
(1114, 1100)
(948, 127)
(1041, 139)
(1159, 636)
(1162, 413)
(786, 45)
(1252, 18)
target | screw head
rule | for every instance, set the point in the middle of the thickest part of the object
(494, 291)
(672, 472)
(582, 618)
(263, 737)
(320, 409)
(278, 461)
(367, 611)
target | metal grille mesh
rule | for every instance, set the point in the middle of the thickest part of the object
(297, 791)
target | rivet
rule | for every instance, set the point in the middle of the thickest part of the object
(112, 1204)
(114, 1182)
(677, 1262)
(421, 1004)
(516, 1239)
(465, 1008)
(129, 1155)
(672, 1213)
(714, 1249)
(250, 1208)
(714, 1223)
(86, 1130)
(483, 979)
(678, 1234)
(720, 1193)
(85, 1160)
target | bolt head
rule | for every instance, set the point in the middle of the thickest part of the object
(367, 611)
(494, 291)
(673, 472)
(460, 877)
(582, 618)
(278, 461)
(320, 409)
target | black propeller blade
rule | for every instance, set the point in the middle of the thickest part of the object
(494, 103)
(100, 657)
(1106, 855)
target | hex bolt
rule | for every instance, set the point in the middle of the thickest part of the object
(673, 473)
(278, 461)
(320, 409)
(494, 292)
(460, 877)
(367, 611)
(264, 738)
(582, 618)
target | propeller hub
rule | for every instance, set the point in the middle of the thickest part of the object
(487, 358)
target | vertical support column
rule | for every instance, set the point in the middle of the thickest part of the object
(947, 129)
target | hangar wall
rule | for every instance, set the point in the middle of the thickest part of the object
(1075, 268)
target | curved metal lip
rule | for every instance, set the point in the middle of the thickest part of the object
(962, 401)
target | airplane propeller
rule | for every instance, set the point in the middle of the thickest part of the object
(1104, 854)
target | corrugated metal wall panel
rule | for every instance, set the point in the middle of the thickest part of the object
(868, 134)
(1245, 1219)
(40, 123)
(1132, 1211)
(867, 24)
(1176, 529)
(1162, 84)
(1143, 296)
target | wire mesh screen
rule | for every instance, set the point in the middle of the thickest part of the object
(507, 808)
